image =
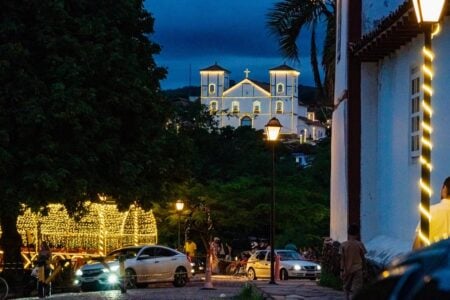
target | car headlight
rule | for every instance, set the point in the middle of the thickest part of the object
(297, 267)
(319, 268)
(112, 279)
(105, 270)
(114, 268)
(79, 272)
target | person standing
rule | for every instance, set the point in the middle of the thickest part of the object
(352, 254)
(190, 247)
(44, 259)
(440, 218)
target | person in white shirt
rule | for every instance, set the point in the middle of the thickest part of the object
(440, 218)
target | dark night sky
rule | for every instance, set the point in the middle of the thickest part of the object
(195, 34)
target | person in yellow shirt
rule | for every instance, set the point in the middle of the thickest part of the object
(440, 218)
(190, 247)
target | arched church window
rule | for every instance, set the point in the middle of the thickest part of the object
(235, 107)
(246, 121)
(213, 106)
(256, 107)
(212, 88)
(279, 107)
(280, 88)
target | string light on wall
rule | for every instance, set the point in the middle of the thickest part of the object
(428, 13)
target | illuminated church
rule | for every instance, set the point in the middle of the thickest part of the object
(253, 103)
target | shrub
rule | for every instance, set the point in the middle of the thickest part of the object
(249, 292)
(330, 280)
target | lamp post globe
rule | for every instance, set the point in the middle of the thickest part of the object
(273, 128)
(428, 11)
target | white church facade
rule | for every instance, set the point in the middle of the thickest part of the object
(253, 103)
(375, 174)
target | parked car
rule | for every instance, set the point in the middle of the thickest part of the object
(423, 274)
(292, 265)
(143, 265)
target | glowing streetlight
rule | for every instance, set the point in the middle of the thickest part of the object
(273, 128)
(428, 13)
(179, 205)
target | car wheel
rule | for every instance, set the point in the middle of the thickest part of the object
(284, 274)
(131, 279)
(181, 277)
(251, 274)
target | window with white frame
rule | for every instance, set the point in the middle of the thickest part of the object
(235, 107)
(213, 106)
(256, 107)
(280, 88)
(279, 107)
(415, 113)
(212, 88)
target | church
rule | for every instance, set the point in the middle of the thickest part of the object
(253, 103)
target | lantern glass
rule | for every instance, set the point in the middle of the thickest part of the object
(179, 205)
(428, 11)
(273, 129)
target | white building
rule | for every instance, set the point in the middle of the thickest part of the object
(253, 103)
(375, 174)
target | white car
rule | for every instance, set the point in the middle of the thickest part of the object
(143, 265)
(292, 265)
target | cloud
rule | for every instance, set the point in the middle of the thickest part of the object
(234, 33)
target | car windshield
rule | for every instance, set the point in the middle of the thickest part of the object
(289, 255)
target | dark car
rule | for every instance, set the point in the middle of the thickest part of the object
(422, 274)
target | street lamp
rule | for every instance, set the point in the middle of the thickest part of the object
(179, 205)
(428, 13)
(273, 128)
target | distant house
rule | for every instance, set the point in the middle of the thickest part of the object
(311, 129)
(253, 103)
(376, 134)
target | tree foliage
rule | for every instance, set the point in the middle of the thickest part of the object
(287, 19)
(231, 175)
(80, 109)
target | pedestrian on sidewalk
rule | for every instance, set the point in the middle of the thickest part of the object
(440, 218)
(352, 254)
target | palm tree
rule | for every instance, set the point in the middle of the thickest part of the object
(286, 20)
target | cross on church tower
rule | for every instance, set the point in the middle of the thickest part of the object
(246, 72)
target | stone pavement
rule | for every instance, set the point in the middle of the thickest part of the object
(225, 287)
(296, 289)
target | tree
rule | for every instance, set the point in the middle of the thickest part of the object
(289, 17)
(80, 109)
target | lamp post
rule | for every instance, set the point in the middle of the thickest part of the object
(179, 205)
(273, 128)
(428, 13)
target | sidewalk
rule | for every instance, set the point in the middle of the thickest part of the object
(296, 289)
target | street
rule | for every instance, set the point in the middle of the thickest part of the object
(224, 287)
